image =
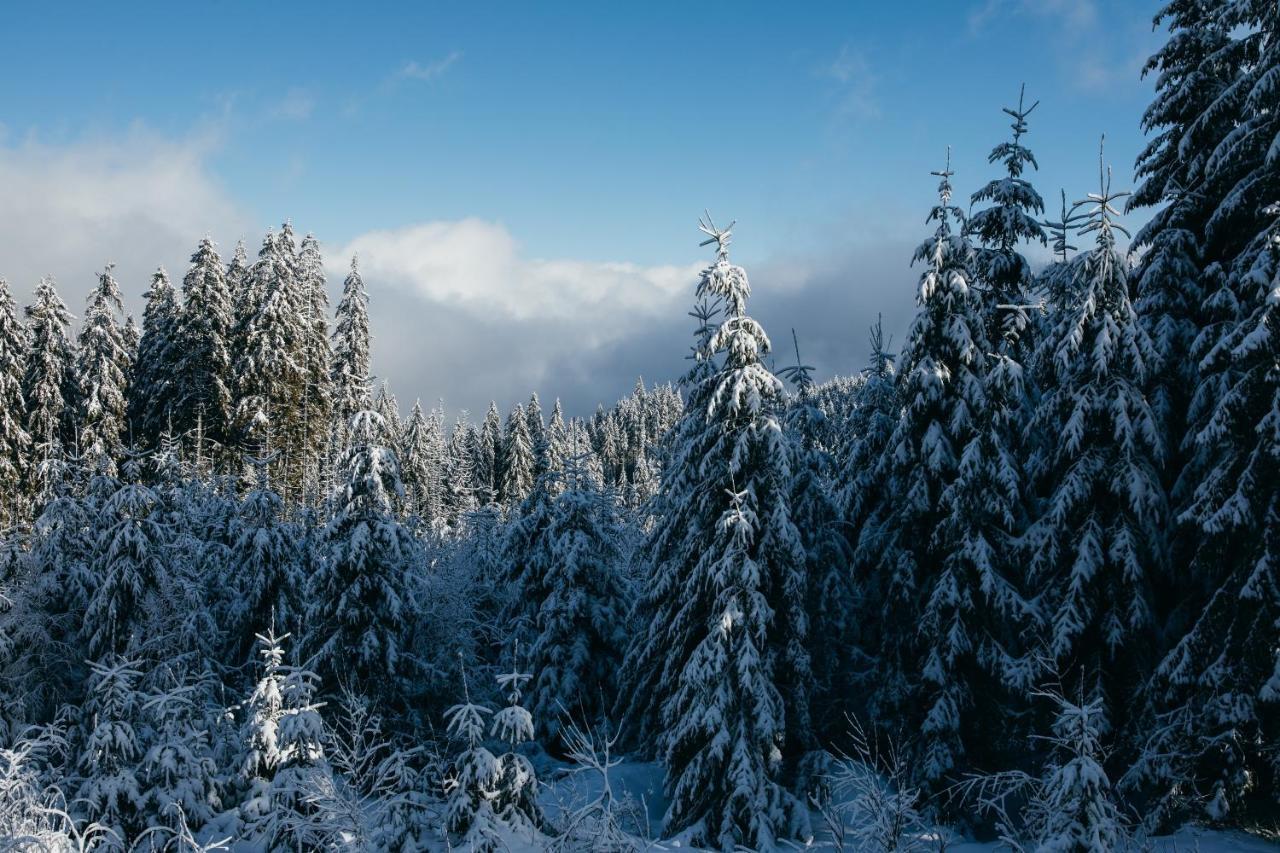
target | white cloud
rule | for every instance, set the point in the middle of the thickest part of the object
(478, 266)
(855, 81)
(414, 70)
(135, 198)
(297, 105)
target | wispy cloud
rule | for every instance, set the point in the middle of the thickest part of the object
(414, 70)
(297, 105)
(1074, 15)
(855, 83)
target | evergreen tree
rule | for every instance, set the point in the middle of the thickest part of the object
(357, 616)
(723, 631)
(459, 471)
(15, 441)
(129, 569)
(203, 380)
(901, 548)
(102, 369)
(1000, 271)
(179, 772)
(1096, 545)
(153, 390)
(423, 464)
(350, 372)
(518, 460)
(472, 786)
(317, 400)
(269, 370)
(110, 752)
(486, 457)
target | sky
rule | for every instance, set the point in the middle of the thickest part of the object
(522, 181)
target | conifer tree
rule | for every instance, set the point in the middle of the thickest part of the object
(459, 471)
(269, 372)
(472, 786)
(152, 391)
(518, 460)
(179, 772)
(486, 457)
(203, 379)
(350, 372)
(422, 468)
(102, 369)
(111, 750)
(718, 672)
(357, 616)
(1096, 545)
(537, 435)
(48, 384)
(317, 400)
(15, 441)
(941, 392)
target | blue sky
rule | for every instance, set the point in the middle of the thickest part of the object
(520, 176)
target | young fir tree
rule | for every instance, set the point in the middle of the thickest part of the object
(903, 548)
(179, 772)
(1097, 544)
(317, 401)
(153, 391)
(718, 674)
(203, 379)
(48, 383)
(129, 565)
(111, 749)
(349, 374)
(357, 618)
(265, 563)
(301, 771)
(517, 456)
(515, 799)
(15, 441)
(260, 729)
(102, 369)
(472, 785)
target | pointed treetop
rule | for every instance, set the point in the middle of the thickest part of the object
(1062, 229)
(720, 236)
(944, 185)
(1020, 115)
(1101, 209)
(355, 262)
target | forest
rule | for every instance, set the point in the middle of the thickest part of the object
(1016, 582)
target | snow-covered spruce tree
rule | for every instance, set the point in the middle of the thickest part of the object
(517, 458)
(15, 441)
(938, 557)
(317, 399)
(1001, 272)
(300, 738)
(472, 784)
(179, 774)
(831, 604)
(422, 467)
(1217, 692)
(569, 598)
(537, 435)
(1192, 70)
(718, 675)
(1075, 809)
(110, 752)
(203, 380)
(268, 370)
(260, 733)
(515, 800)
(486, 457)
(152, 391)
(265, 564)
(129, 569)
(349, 374)
(459, 473)
(356, 620)
(48, 383)
(102, 369)
(1096, 545)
